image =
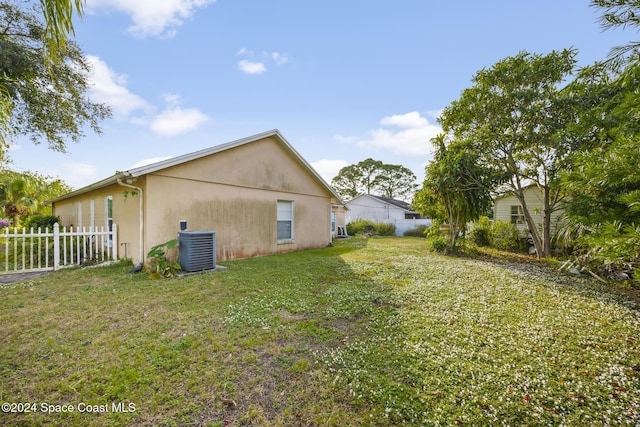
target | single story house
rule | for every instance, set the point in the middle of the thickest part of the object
(507, 207)
(384, 209)
(257, 194)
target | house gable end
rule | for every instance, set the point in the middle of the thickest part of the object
(264, 164)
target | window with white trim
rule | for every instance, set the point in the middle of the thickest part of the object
(517, 215)
(108, 216)
(79, 215)
(92, 214)
(285, 221)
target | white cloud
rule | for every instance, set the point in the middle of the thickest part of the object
(403, 134)
(328, 169)
(345, 139)
(249, 67)
(158, 18)
(148, 161)
(78, 175)
(279, 58)
(408, 120)
(172, 99)
(174, 121)
(110, 88)
(256, 64)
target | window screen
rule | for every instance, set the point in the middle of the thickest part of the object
(285, 220)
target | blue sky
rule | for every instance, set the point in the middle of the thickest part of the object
(342, 80)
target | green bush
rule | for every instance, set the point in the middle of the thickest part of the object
(480, 233)
(369, 228)
(433, 230)
(159, 266)
(438, 243)
(419, 231)
(505, 236)
(385, 229)
(613, 251)
(361, 226)
(41, 221)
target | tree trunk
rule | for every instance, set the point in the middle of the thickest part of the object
(453, 238)
(546, 224)
(535, 235)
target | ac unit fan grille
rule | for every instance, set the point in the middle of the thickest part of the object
(197, 250)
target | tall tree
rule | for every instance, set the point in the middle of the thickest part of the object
(24, 194)
(456, 184)
(620, 13)
(516, 113)
(37, 79)
(395, 182)
(357, 179)
(374, 177)
(43, 77)
(604, 178)
(58, 18)
(604, 184)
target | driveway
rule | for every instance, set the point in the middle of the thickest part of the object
(19, 277)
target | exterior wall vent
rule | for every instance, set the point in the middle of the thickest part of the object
(197, 250)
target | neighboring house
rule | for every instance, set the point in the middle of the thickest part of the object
(257, 193)
(384, 209)
(507, 207)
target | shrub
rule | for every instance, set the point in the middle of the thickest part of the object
(370, 228)
(480, 233)
(419, 231)
(361, 226)
(385, 229)
(434, 229)
(159, 266)
(41, 221)
(613, 251)
(438, 243)
(505, 236)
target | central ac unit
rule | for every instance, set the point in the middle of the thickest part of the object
(197, 250)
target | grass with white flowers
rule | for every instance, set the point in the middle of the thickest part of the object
(370, 332)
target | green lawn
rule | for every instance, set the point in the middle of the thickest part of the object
(369, 332)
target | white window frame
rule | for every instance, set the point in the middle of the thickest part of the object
(92, 215)
(108, 218)
(518, 216)
(79, 215)
(333, 222)
(285, 212)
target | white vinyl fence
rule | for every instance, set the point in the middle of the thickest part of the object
(403, 225)
(22, 251)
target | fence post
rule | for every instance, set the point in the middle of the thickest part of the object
(56, 246)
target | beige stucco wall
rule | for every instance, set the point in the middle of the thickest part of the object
(76, 212)
(125, 207)
(535, 203)
(235, 194)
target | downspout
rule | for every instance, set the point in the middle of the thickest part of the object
(139, 190)
(330, 232)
